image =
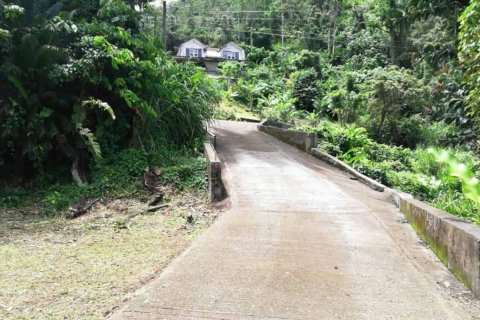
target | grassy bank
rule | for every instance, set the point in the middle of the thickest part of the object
(420, 171)
(59, 268)
(84, 268)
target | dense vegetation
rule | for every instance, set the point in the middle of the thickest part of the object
(387, 85)
(379, 81)
(87, 91)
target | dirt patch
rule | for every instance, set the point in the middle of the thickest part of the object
(85, 268)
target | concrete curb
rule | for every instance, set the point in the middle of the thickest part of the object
(216, 189)
(317, 153)
(455, 241)
(302, 140)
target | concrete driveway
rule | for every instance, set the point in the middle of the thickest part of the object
(301, 241)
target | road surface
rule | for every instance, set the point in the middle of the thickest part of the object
(302, 241)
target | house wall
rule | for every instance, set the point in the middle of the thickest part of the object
(233, 48)
(192, 44)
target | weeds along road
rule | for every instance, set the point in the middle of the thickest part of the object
(301, 241)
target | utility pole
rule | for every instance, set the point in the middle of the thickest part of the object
(164, 25)
(283, 21)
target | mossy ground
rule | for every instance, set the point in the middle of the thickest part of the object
(83, 269)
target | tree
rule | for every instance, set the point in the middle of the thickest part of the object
(394, 95)
(469, 49)
(397, 20)
(305, 89)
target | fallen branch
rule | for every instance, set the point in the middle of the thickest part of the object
(80, 208)
(149, 210)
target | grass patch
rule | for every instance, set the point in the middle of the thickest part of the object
(234, 110)
(82, 269)
(54, 268)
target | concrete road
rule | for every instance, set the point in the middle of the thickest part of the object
(301, 241)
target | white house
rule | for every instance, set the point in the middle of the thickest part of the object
(208, 56)
(232, 51)
(192, 48)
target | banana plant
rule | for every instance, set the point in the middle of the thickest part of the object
(470, 183)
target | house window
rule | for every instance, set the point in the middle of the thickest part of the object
(194, 53)
(230, 55)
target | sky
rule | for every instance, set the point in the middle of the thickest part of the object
(158, 3)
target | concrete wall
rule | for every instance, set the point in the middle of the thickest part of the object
(456, 242)
(212, 66)
(216, 189)
(302, 140)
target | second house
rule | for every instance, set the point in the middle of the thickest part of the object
(208, 56)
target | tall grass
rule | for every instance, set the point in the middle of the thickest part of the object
(183, 101)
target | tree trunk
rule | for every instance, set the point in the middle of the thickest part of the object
(380, 126)
(77, 174)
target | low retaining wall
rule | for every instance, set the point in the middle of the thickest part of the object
(317, 153)
(216, 189)
(302, 140)
(455, 241)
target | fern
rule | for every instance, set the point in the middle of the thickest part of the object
(99, 104)
(91, 142)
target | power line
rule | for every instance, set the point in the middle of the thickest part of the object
(205, 28)
(253, 11)
(245, 18)
(259, 32)
(260, 29)
(212, 24)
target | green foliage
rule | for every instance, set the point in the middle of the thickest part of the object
(375, 170)
(190, 175)
(305, 88)
(395, 98)
(434, 40)
(114, 177)
(78, 87)
(435, 176)
(469, 37)
(419, 185)
(338, 140)
(469, 181)
(279, 108)
(230, 70)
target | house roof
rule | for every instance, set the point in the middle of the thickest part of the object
(198, 42)
(233, 44)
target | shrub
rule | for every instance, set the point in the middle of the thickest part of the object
(395, 96)
(279, 107)
(375, 170)
(421, 186)
(305, 89)
(76, 90)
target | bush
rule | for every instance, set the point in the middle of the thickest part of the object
(114, 177)
(451, 187)
(421, 186)
(279, 108)
(74, 91)
(375, 170)
(305, 89)
(343, 139)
